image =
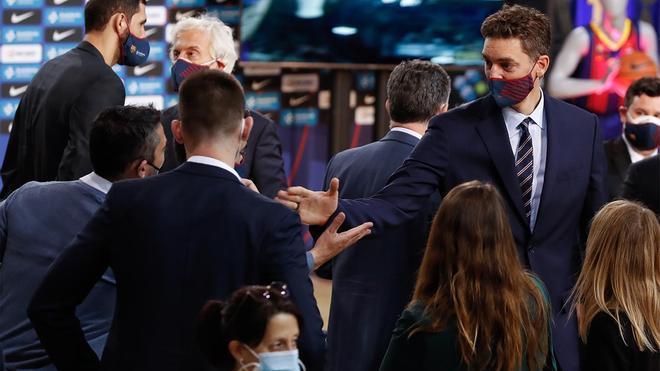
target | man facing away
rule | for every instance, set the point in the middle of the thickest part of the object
(545, 157)
(50, 135)
(373, 281)
(640, 138)
(39, 220)
(175, 241)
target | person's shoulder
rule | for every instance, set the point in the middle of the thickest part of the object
(648, 164)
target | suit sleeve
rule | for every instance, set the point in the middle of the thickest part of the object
(597, 194)
(284, 260)
(324, 271)
(68, 281)
(408, 189)
(3, 229)
(105, 93)
(267, 165)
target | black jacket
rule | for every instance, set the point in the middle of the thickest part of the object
(643, 183)
(618, 160)
(173, 241)
(50, 133)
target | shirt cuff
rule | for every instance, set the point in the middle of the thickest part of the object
(310, 261)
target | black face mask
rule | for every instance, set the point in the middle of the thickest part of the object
(643, 133)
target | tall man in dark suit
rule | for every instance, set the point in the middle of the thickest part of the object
(50, 135)
(125, 142)
(640, 116)
(205, 42)
(643, 183)
(175, 241)
(545, 157)
(373, 281)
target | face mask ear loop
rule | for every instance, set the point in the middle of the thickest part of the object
(302, 365)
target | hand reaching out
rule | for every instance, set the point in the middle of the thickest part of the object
(331, 243)
(313, 207)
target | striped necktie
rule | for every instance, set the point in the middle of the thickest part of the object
(525, 165)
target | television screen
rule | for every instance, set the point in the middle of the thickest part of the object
(364, 31)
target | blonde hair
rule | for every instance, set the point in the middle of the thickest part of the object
(621, 272)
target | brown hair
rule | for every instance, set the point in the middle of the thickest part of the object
(527, 24)
(621, 272)
(211, 103)
(471, 274)
(649, 86)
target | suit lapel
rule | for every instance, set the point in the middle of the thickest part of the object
(553, 126)
(493, 133)
(621, 158)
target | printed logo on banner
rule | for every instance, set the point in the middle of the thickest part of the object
(299, 117)
(146, 70)
(145, 100)
(176, 15)
(22, 4)
(65, 2)
(65, 34)
(304, 100)
(5, 126)
(21, 53)
(144, 86)
(156, 15)
(263, 101)
(300, 83)
(185, 3)
(18, 72)
(158, 51)
(65, 16)
(8, 108)
(15, 90)
(22, 35)
(55, 50)
(154, 33)
(17, 17)
(261, 84)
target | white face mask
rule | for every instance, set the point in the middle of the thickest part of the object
(274, 361)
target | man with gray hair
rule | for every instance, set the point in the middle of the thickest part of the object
(205, 42)
(373, 281)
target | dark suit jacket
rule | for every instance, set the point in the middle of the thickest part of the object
(50, 134)
(174, 241)
(372, 281)
(262, 160)
(471, 142)
(643, 183)
(618, 160)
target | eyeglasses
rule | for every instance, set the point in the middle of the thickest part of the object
(154, 166)
(277, 288)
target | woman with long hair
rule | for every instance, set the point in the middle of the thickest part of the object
(617, 295)
(474, 306)
(256, 329)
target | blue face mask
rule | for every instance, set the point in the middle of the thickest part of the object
(183, 68)
(134, 51)
(276, 361)
(643, 133)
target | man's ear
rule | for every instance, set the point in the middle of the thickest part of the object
(442, 109)
(119, 22)
(177, 131)
(141, 169)
(247, 128)
(623, 113)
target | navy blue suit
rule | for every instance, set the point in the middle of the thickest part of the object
(471, 142)
(174, 241)
(372, 281)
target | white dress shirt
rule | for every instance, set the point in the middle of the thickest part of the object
(539, 134)
(407, 131)
(634, 155)
(97, 182)
(214, 162)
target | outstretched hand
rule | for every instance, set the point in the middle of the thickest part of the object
(331, 243)
(314, 207)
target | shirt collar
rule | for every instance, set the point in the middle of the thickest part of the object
(634, 155)
(513, 118)
(214, 162)
(407, 131)
(97, 182)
